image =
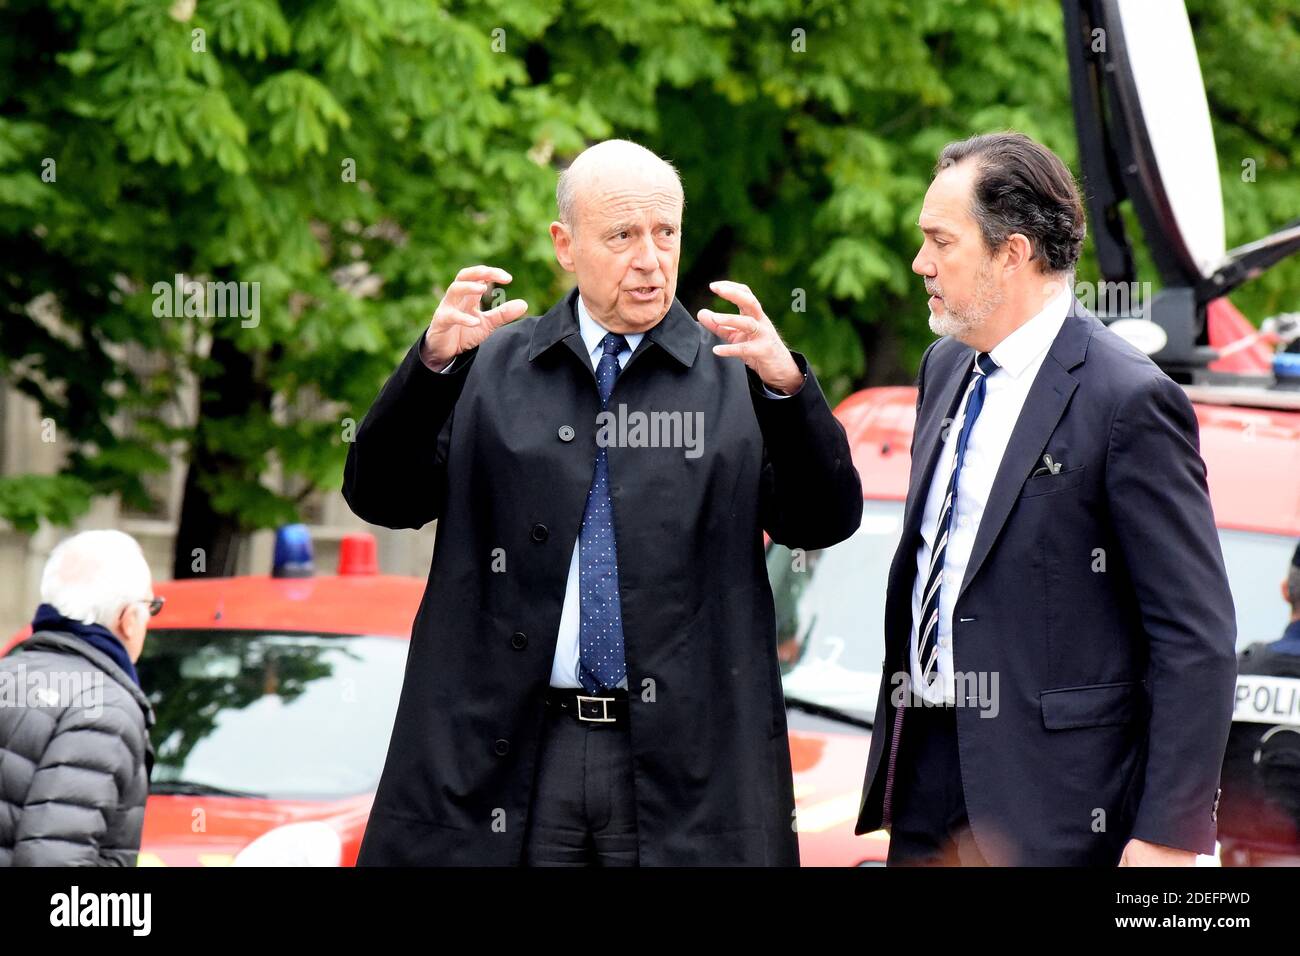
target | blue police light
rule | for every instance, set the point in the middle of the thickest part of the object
(1286, 366)
(292, 553)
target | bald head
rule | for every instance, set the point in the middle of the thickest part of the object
(611, 164)
(619, 232)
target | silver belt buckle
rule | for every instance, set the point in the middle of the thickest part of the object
(604, 710)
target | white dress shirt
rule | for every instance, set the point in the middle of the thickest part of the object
(1019, 357)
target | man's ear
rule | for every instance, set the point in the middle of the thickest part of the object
(124, 622)
(1018, 251)
(129, 621)
(1286, 592)
(562, 239)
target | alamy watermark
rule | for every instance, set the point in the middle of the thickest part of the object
(1114, 298)
(133, 911)
(20, 687)
(222, 300)
(638, 429)
(970, 689)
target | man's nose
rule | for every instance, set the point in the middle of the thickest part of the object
(922, 265)
(645, 257)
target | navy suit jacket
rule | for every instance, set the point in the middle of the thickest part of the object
(1095, 597)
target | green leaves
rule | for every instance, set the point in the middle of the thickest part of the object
(850, 267)
(27, 500)
(250, 28)
(349, 156)
(301, 109)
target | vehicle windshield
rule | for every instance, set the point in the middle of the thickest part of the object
(1257, 564)
(830, 606)
(830, 613)
(286, 716)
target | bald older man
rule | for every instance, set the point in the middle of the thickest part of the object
(592, 677)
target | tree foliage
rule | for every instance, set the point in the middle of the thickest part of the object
(348, 156)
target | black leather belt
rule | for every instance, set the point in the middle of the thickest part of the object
(608, 708)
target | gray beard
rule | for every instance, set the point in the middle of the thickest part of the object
(960, 323)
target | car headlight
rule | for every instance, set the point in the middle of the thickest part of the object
(295, 844)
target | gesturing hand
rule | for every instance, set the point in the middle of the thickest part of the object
(752, 338)
(457, 324)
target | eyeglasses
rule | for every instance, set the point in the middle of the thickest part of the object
(155, 604)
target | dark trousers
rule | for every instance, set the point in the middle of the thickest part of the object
(930, 826)
(583, 811)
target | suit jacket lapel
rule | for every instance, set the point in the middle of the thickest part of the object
(1046, 403)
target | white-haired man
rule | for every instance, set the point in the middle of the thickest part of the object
(75, 756)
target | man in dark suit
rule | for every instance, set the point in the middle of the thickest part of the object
(1059, 632)
(592, 676)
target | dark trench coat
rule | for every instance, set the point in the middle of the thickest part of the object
(501, 451)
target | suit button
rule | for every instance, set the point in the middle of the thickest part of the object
(501, 747)
(540, 533)
(565, 433)
(519, 640)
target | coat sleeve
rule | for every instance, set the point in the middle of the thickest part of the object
(810, 496)
(396, 471)
(1156, 489)
(78, 784)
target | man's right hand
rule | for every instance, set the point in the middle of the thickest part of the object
(457, 324)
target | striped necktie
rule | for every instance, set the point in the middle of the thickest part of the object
(928, 631)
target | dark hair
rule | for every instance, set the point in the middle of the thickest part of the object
(1022, 186)
(1293, 580)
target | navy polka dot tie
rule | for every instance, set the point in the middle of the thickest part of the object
(600, 633)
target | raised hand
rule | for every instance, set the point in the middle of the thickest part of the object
(457, 324)
(752, 338)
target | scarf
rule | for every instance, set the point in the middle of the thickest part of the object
(48, 618)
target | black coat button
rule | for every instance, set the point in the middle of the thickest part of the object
(502, 747)
(566, 433)
(540, 532)
(519, 640)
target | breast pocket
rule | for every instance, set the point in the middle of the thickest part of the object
(1049, 484)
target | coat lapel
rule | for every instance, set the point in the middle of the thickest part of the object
(1046, 403)
(560, 324)
(677, 333)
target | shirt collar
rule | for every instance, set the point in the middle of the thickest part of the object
(1018, 350)
(593, 332)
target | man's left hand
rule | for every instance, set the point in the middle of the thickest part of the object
(752, 338)
(1141, 853)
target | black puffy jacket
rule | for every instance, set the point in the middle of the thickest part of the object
(75, 756)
